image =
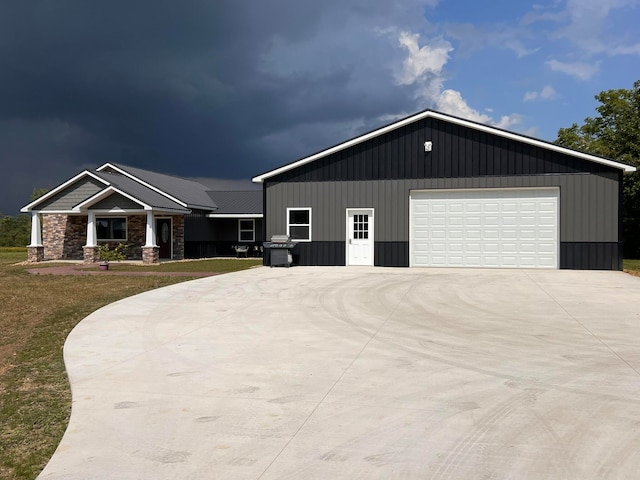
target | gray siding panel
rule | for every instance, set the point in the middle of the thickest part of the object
(115, 201)
(588, 204)
(72, 195)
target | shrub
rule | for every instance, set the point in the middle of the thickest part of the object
(114, 254)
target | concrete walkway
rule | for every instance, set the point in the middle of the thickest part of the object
(346, 373)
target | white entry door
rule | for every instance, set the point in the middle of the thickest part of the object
(360, 236)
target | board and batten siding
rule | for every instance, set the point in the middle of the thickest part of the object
(588, 204)
(588, 214)
(380, 172)
(458, 151)
(71, 196)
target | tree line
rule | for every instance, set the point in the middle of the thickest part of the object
(15, 231)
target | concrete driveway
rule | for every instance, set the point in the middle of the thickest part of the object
(348, 373)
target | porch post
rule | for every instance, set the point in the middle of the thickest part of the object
(35, 250)
(91, 230)
(36, 232)
(151, 231)
(90, 250)
(150, 251)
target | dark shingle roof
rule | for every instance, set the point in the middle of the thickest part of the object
(140, 192)
(238, 202)
(192, 193)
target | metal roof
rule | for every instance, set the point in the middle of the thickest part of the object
(238, 202)
(187, 192)
(140, 192)
(446, 118)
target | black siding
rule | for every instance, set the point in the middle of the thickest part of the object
(391, 254)
(458, 151)
(591, 255)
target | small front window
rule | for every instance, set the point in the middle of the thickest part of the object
(247, 230)
(299, 224)
(111, 228)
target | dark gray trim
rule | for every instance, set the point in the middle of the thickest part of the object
(391, 254)
(591, 255)
(573, 255)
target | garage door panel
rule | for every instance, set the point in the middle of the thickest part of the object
(512, 228)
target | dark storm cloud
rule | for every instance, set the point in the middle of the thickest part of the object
(196, 88)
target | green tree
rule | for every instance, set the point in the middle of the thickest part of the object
(615, 133)
(16, 231)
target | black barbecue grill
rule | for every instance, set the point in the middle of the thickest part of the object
(279, 249)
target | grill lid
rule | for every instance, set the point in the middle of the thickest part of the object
(280, 239)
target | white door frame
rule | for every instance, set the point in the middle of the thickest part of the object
(369, 211)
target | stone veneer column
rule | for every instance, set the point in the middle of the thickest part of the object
(35, 250)
(35, 254)
(150, 255)
(90, 254)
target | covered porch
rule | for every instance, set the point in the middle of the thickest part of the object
(149, 235)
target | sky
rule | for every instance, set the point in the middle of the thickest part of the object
(231, 89)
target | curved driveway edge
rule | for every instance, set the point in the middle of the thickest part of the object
(325, 373)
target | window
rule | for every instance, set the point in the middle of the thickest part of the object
(247, 230)
(299, 224)
(111, 228)
(360, 226)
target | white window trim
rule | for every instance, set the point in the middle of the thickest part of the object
(300, 224)
(126, 229)
(253, 230)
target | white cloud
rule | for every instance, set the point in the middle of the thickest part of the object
(580, 70)
(625, 50)
(423, 67)
(547, 93)
(430, 58)
(451, 102)
(586, 24)
(471, 38)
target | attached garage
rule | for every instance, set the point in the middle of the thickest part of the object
(504, 228)
(448, 192)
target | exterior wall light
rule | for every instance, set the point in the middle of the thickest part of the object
(428, 146)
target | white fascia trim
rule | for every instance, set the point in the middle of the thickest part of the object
(234, 215)
(101, 195)
(117, 211)
(450, 119)
(141, 182)
(59, 188)
(532, 141)
(57, 212)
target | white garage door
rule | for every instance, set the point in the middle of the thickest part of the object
(505, 228)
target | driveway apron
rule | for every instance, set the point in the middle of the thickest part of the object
(346, 373)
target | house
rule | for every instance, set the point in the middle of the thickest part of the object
(435, 190)
(157, 216)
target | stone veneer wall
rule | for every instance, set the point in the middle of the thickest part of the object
(178, 237)
(136, 236)
(63, 236)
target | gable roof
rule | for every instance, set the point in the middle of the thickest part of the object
(140, 192)
(237, 203)
(446, 118)
(187, 193)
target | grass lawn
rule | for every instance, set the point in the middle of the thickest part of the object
(37, 312)
(632, 267)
